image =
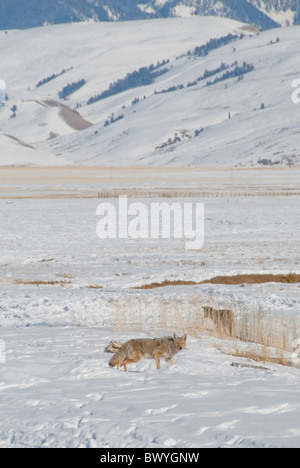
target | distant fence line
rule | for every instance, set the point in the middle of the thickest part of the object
(196, 194)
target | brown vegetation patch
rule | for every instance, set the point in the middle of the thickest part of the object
(230, 280)
(165, 283)
(254, 279)
(42, 283)
(250, 28)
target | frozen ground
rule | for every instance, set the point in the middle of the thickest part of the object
(56, 386)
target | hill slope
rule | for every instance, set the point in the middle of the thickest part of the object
(150, 93)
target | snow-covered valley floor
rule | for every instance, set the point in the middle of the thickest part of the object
(65, 293)
(58, 391)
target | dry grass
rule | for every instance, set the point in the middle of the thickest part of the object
(269, 338)
(258, 336)
(139, 313)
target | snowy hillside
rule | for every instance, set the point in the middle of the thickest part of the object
(226, 105)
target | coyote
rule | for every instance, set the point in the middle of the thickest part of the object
(137, 349)
(223, 318)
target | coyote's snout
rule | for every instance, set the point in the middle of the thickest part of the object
(156, 348)
(223, 318)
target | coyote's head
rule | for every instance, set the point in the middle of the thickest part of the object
(180, 341)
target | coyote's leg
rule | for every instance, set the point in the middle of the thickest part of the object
(157, 360)
(170, 361)
(129, 361)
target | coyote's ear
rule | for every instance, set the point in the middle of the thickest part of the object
(174, 336)
(184, 337)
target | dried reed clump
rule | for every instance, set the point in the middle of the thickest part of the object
(136, 313)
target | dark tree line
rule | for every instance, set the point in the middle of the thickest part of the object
(238, 71)
(214, 43)
(52, 77)
(113, 119)
(71, 88)
(141, 77)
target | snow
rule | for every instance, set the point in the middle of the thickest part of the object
(146, 8)
(2, 92)
(56, 387)
(285, 17)
(183, 10)
(160, 3)
(16, 152)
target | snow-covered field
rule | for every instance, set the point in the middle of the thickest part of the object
(57, 389)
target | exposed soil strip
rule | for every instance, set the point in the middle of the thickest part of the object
(20, 142)
(231, 280)
(71, 117)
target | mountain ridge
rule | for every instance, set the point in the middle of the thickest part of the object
(23, 14)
